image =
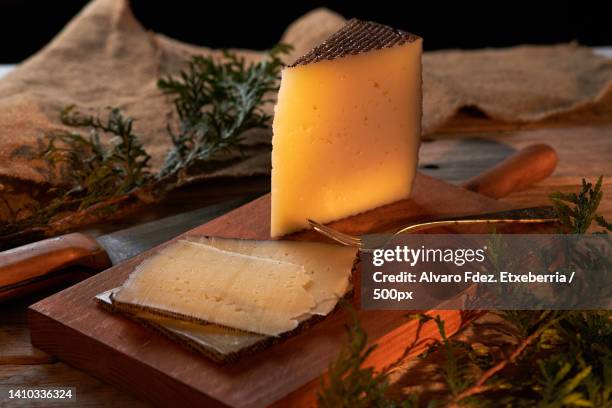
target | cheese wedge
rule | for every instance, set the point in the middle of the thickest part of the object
(328, 266)
(346, 126)
(203, 283)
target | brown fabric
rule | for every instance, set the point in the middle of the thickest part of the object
(104, 57)
(518, 84)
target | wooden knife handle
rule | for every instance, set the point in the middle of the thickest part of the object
(519, 171)
(34, 261)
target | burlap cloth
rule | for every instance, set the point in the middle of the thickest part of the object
(104, 57)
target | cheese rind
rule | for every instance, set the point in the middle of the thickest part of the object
(234, 290)
(356, 37)
(346, 135)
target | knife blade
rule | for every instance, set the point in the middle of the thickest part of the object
(125, 244)
(48, 263)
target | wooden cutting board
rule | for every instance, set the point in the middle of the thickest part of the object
(70, 326)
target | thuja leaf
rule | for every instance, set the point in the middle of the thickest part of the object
(557, 387)
(560, 359)
(216, 103)
(349, 384)
(577, 212)
(455, 369)
(109, 162)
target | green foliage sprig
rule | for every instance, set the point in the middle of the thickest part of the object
(216, 103)
(107, 170)
(98, 172)
(349, 384)
(577, 212)
(556, 358)
(97, 176)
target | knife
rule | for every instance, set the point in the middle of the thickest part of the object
(51, 262)
(44, 264)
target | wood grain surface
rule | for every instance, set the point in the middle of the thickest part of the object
(70, 326)
(458, 153)
(583, 152)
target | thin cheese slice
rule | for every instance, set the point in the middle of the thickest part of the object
(346, 126)
(329, 266)
(207, 284)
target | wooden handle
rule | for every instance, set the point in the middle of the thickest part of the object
(49, 283)
(519, 171)
(29, 263)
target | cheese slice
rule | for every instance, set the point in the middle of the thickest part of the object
(346, 126)
(329, 266)
(203, 283)
(216, 342)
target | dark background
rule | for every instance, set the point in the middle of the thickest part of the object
(27, 25)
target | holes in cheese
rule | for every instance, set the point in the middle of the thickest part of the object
(329, 266)
(264, 287)
(346, 126)
(203, 283)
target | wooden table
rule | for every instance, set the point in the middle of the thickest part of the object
(455, 154)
